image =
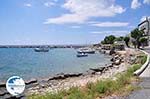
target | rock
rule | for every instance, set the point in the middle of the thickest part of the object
(106, 68)
(112, 51)
(32, 85)
(64, 76)
(60, 74)
(2, 93)
(89, 72)
(98, 73)
(2, 84)
(112, 59)
(8, 96)
(43, 85)
(57, 77)
(98, 69)
(31, 81)
(103, 51)
(116, 66)
(73, 75)
(117, 62)
(110, 65)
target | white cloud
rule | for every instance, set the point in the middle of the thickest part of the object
(81, 11)
(111, 24)
(49, 4)
(121, 32)
(144, 18)
(135, 4)
(75, 26)
(146, 1)
(27, 5)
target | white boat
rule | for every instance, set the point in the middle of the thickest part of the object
(43, 49)
(86, 50)
(82, 55)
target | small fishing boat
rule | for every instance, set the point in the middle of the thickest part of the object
(86, 50)
(82, 55)
(43, 49)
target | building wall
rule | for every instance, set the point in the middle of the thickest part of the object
(145, 26)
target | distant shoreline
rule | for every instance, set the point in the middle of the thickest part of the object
(49, 46)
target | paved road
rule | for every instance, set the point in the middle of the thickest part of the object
(144, 93)
(146, 72)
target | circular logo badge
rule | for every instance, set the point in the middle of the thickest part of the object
(15, 85)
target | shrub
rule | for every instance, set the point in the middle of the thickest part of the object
(75, 93)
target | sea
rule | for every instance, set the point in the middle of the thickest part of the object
(28, 64)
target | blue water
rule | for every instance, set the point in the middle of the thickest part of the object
(27, 63)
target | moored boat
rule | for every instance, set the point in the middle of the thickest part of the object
(82, 55)
(85, 50)
(41, 49)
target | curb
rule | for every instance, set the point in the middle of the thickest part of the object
(144, 66)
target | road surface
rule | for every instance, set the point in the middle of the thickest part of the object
(144, 92)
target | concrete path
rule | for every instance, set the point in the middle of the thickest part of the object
(146, 72)
(143, 93)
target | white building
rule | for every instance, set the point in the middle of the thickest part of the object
(145, 26)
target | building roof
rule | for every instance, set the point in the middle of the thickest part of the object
(147, 20)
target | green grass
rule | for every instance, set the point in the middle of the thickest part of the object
(122, 85)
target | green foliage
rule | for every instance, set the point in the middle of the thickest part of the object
(101, 87)
(109, 39)
(46, 96)
(132, 69)
(75, 93)
(143, 39)
(137, 34)
(127, 39)
(102, 42)
(143, 59)
(121, 38)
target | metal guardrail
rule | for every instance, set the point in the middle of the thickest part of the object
(144, 66)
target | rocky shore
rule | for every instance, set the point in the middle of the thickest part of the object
(65, 81)
(120, 63)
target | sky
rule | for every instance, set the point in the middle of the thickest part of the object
(36, 22)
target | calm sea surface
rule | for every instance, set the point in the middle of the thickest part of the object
(27, 63)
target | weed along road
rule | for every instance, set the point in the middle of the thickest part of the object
(146, 73)
(144, 92)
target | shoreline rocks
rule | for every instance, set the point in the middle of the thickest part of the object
(31, 81)
(117, 59)
(97, 69)
(64, 76)
(2, 84)
(2, 93)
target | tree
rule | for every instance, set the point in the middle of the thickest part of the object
(137, 34)
(143, 41)
(109, 39)
(102, 42)
(121, 38)
(134, 42)
(127, 39)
